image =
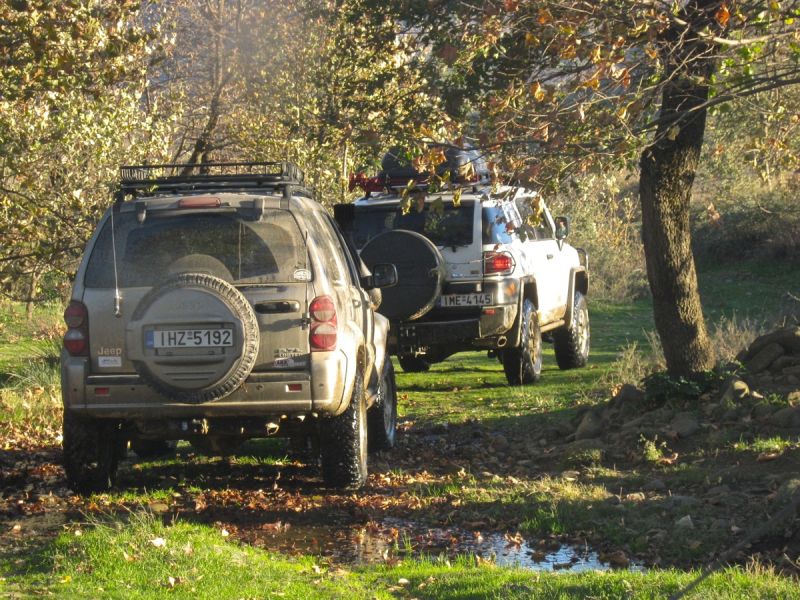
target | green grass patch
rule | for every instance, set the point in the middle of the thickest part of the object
(773, 444)
(142, 558)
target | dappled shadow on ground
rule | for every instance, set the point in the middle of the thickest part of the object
(635, 489)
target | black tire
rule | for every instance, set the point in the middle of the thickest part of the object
(92, 449)
(420, 273)
(148, 449)
(343, 443)
(382, 416)
(413, 364)
(571, 342)
(199, 383)
(523, 365)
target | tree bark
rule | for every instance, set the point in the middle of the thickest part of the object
(667, 173)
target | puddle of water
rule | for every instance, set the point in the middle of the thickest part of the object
(390, 539)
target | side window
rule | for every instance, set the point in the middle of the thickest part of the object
(350, 258)
(526, 206)
(327, 243)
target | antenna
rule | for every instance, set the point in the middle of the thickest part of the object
(117, 294)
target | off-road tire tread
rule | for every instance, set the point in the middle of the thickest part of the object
(566, 340)
(91, 453)
(340, 443)
(413, 364)
(146, 449)
(521, 368)
(241, 309)
(380, 435)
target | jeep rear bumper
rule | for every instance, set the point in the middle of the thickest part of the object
(128, 396)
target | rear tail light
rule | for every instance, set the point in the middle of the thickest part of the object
(76, 339)
(497, 263)
(323, 333)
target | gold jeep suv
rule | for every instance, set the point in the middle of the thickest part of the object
(219, 306)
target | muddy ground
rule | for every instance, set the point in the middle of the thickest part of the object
(630, 482)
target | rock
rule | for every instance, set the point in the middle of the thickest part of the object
(635, 497)
(655, 485)
(684, 523)
(720, 524)
(685, 424)
(735, 390)
(785, 361)
(786, 417)
(789, 490)
(500, 442)
(583, 445)
(591, 426)
(628, 396)
(786, 337)
(633, 423)
(765, 357)
(793, 379)
(795, 370)
(763, 410)
(678, 500)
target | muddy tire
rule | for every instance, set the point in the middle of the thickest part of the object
(189, 378)
(343, 443)
(92, 450)
(571, 343)
(382, 416)
(147, 449)
(523, 365)
(413, 364)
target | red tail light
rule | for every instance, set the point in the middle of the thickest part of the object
(76, 339)
(323, 335)
(497, 263)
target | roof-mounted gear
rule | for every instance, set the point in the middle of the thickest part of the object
(178, 178)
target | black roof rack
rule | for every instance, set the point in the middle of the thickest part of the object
(222, 176)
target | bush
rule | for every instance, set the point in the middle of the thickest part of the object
(606, 221)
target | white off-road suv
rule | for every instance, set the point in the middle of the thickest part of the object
(216, 303)
(489, 267)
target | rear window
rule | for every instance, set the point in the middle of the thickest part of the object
(443, 224)
(244, 252)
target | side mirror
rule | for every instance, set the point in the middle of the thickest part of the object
(383, 275)
(562, 227)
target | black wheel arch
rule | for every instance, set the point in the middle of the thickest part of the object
(578, 282)
(528, 291)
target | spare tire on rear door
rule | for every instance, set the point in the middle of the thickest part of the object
(420, 272)
(195, 338)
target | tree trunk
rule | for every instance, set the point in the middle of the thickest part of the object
(667, 173)
(30, 301)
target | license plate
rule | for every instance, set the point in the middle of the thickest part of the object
(465, 300)
(188, 338)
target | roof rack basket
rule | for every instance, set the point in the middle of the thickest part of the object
(223, 176)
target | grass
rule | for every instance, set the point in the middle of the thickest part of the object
(576, 494)
(143, 558)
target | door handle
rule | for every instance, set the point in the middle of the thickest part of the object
(280, 306)
(549, 257)
(357, 303)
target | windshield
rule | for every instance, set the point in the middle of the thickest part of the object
(243, 252)
(443, 224)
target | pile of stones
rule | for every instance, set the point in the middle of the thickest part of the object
(773, 360)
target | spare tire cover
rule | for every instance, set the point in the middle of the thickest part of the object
(420, 272)
(213, 363)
